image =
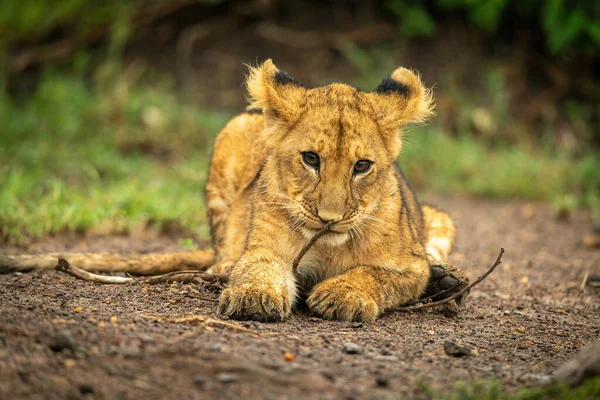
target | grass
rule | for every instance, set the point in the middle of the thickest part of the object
(81, 159)
(113, 155)
(589, 390)
(463, 165)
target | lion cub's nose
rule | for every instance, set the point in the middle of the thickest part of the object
(329, 216)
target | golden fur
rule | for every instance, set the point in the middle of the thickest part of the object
(265, 202)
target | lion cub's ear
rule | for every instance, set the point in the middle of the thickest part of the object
(275, 92)
(402, 99)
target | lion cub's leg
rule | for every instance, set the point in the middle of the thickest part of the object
(261, 287)
(365, 292)
(440, 233)
(234, 165)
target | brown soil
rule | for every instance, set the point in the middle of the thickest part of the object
(65, 338)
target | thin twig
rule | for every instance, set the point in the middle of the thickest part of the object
(64, 266)
(454, 296)
(177, 276)
(308, 245)
(182, 276)
(424, 299)
(584, 281)
(203, 319)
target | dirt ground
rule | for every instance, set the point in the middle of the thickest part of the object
(65, 338)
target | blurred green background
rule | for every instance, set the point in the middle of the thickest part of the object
(108, 109)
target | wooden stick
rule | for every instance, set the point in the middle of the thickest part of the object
(308, 245)
(424, 299)
(203, 319)
(64, 266)
(584, 281)
(454, 296)
(177, 276)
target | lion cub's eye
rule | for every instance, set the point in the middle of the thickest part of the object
(362, 166)
(311, 159)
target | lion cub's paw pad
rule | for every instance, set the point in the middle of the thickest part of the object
(264, 304)
(443, 277)
(342, 302)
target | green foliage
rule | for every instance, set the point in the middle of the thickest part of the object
(462, 165)
(565, 24)
(39, 17)
(589, 390)
(77, 158)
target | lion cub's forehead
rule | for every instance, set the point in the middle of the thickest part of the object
(339, 120)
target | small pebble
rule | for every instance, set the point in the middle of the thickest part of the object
(62, 340)
(382, 381)
(227, 378)
(86, 388)
(131, 352)
(385, 351)
(352, 348)
(455, 350)
(200, 380)
(356, 325)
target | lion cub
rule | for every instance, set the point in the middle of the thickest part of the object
(300, 158)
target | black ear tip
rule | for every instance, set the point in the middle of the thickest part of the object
(283, 78)
(389, 85)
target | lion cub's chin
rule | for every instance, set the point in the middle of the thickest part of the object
(331, 238)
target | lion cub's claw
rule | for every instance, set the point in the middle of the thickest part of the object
(337, 300)
(248, 302)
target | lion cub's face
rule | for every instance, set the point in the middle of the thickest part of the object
(333, 148)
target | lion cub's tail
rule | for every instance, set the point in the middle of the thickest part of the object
(139, 264)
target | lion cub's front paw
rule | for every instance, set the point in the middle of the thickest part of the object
(255, 302)
(336, 298)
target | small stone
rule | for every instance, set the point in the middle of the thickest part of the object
(86, 388)
(356, 325)
(131, 352)
(305, 352)
(62, 340)
(328, 375)
(537, 378)
(216, 347)
(200, 380)
(227, 378)
(382, 381)
(455, 350)
(385, 351)
(352, 348)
